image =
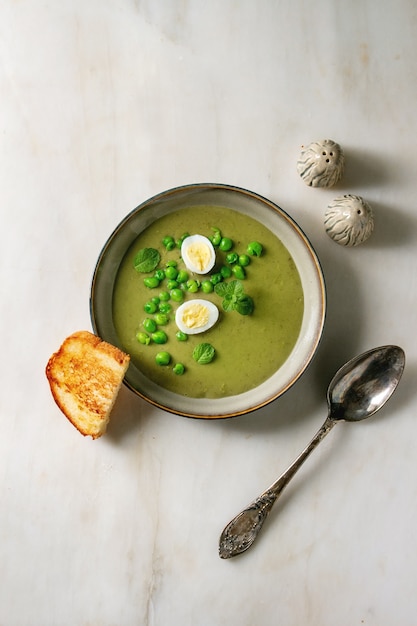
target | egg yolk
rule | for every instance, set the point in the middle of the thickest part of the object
(199, 255)
(195, 316)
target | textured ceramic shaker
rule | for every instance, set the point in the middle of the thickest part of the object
(349, 220)
(321, 164)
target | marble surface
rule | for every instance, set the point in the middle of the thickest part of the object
(104, 104)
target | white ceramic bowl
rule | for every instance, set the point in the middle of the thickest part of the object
(271, 216)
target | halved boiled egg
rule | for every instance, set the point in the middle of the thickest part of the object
(196, 316)
(198, 254)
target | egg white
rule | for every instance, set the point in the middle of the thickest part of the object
(198, 254)
(196, 316)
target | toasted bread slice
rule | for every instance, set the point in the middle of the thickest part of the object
(85, 376)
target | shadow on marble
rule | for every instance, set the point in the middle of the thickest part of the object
(129, 415)
(393, 227)
(365, 169)
(342, 333)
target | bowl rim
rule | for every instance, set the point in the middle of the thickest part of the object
(206, 411)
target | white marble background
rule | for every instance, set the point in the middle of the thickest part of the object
(104, 104)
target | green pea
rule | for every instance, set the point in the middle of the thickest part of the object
(143, 338)
(244, 260)
(151, 282)
(150, 307)
(149, 325)
(226, 244)
(172, 284)
(161, 319)
(155, 300)
(165, 307)
(216, 238)
(181, 336)
(192, 286)
(178, 369)
(226, 271)
(239, 272)
(182, 276)
(171, 272)
(159, 336)
(207, 286)
(171, 263)
(163, 358)
(160, 275)
(244, 305)
(232, 258)
(164, 296)
(216, 278)
(177, 295)
(168, 242)
(255, 248)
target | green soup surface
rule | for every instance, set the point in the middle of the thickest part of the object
(248, 348)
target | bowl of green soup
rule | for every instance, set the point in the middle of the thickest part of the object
(217, 296)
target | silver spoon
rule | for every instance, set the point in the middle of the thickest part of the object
(358, 390)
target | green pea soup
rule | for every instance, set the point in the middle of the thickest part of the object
(248, 348)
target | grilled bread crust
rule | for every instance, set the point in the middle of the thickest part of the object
(85, 376)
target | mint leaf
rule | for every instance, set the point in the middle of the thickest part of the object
(237, 288)
(203, 353)
(234, 297)
(222, 289)
(228, 303)
(146, 260)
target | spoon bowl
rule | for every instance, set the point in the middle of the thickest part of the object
(363, 385)
(358, 390)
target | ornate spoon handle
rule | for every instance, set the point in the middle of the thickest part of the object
(242, 530)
